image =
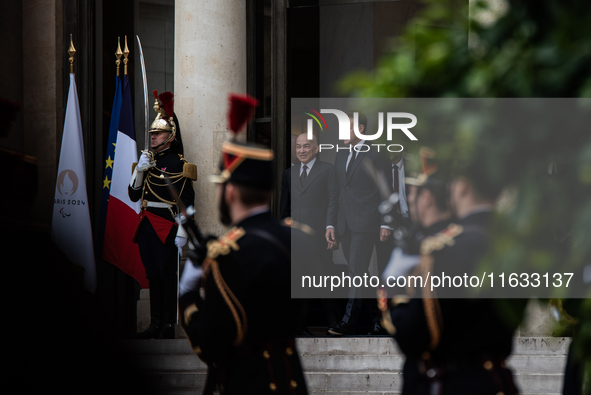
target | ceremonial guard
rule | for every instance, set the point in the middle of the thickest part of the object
(453, 346)
(235, 294)
(156, 179)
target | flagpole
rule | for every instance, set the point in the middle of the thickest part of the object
(126, 54)
(118, 54)
(71, 51)
(71, 229)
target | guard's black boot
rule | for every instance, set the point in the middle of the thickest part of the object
(156, 306)
(169, 312)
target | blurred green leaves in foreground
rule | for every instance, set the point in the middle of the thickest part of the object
(537, 49)
(507, 49)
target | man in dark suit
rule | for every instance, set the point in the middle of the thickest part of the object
(314, 193)
(314, 188)
(359, 224)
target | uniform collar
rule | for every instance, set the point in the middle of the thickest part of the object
(479, 217)
(254, 215)
(163, 152)
(438, 226)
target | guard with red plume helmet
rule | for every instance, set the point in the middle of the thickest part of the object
(235, 298)
(162, 179)
(242, 109)
(242, 163)
(166, 120)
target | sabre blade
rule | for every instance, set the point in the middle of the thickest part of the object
(145, 81)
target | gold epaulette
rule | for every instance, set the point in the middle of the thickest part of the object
(298, 225)
(441, 239)
(225, 243)
(189, 169)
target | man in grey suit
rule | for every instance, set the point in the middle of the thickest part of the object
(359, 225)
(313, 192)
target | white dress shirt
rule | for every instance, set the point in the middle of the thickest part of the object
(353, 150)
(309, 164)
(401, 188)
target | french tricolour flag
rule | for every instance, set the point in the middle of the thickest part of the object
(122, 214)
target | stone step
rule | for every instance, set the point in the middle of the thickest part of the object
(368, 382)
(173, 382)
(520, 364)
(348, 366)
(361, 345)
(539, 383)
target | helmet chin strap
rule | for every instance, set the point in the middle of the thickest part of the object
(160, 145)
(168, 140)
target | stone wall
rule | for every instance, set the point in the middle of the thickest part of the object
(33, 76)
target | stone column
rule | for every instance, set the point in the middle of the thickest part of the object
(210, 62)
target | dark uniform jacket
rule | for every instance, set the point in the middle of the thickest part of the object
(475, 335)
(411, 331)
(254, 263)
(155, 189)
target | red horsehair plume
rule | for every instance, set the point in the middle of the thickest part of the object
(241, 110)
(167, 102)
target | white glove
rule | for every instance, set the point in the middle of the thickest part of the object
(190, 278)
(180, 242)
(137, 178)
(145, 162)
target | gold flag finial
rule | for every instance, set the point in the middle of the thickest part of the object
(71, 51)
(126, 54)
(118, 53)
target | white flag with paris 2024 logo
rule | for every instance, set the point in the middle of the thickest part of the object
(70, 226)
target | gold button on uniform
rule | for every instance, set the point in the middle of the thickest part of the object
(288, 351)
(488, 365)
(273, 387)
(293, 384)
(266, 354)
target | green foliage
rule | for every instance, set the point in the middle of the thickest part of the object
(533, 49)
